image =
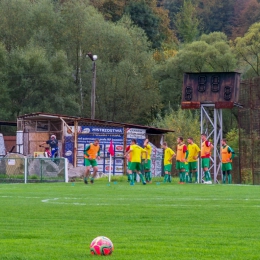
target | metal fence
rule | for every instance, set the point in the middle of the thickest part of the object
(31, 170)
(249, 131)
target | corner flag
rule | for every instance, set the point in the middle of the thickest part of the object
(111, 149)
(112, 153)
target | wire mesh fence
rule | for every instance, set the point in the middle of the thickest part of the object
(12, 170)
(249, 131)
(46, 170)
(28, 170)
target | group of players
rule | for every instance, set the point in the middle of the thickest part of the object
(139, 160)
(187, 160)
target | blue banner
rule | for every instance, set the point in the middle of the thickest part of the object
(87, 135)
(101, 130)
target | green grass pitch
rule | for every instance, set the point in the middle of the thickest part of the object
(156, 221)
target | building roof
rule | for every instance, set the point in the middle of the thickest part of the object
(46, 116)
(83, 120)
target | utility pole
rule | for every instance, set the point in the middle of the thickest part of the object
(93, 89)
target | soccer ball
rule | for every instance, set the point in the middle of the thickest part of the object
(101, 246)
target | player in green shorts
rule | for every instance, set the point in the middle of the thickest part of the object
(187, 178)
(147, 165)
(193, 156)
(227, 154)
(128, 159)
(181, 158)
(206, 147)
(167, 162)
(91, 153)
(135, 166)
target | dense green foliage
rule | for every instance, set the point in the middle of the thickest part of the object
(58, 221)
(46, 69)
(142, 15)
(186, 123)
(143, 48)
(233, 139)
(248, 49)
(233, 17)
(209, 53)
(187, 22)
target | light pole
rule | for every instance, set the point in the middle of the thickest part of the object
(93, 90)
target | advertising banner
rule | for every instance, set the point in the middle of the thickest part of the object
(156, 160)
(136, 133)
(87, 135)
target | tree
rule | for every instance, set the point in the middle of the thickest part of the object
(111, 9)
(114, 10)
(48, 71)
(248, 50)
(216, 15)
(233, 139)
(14, 23)
(45, 23)
(210, 53)
(174, 7)
(76, 17)
(246, 13)
(124, 74)
(219, 54)
(4, 97)
(37, 83)
(185, 123)
(143, 16)
(187, 23)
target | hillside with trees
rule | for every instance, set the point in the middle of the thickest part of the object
(143, 48)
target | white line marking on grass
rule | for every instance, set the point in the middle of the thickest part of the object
(203, 205)
(47, 200)
(188, 199)
(29, 197)
(53, 201)
(56, 201)
(81, 201)
(20, 197)
(179, 206)
(144, 199)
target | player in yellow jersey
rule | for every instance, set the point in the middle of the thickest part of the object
(167, 162)
(136, 152)
(147, 165)
(128, 159)
(194, 152)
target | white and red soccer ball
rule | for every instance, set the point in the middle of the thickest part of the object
(101, 246)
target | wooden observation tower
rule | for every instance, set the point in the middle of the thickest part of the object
(211, 92)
